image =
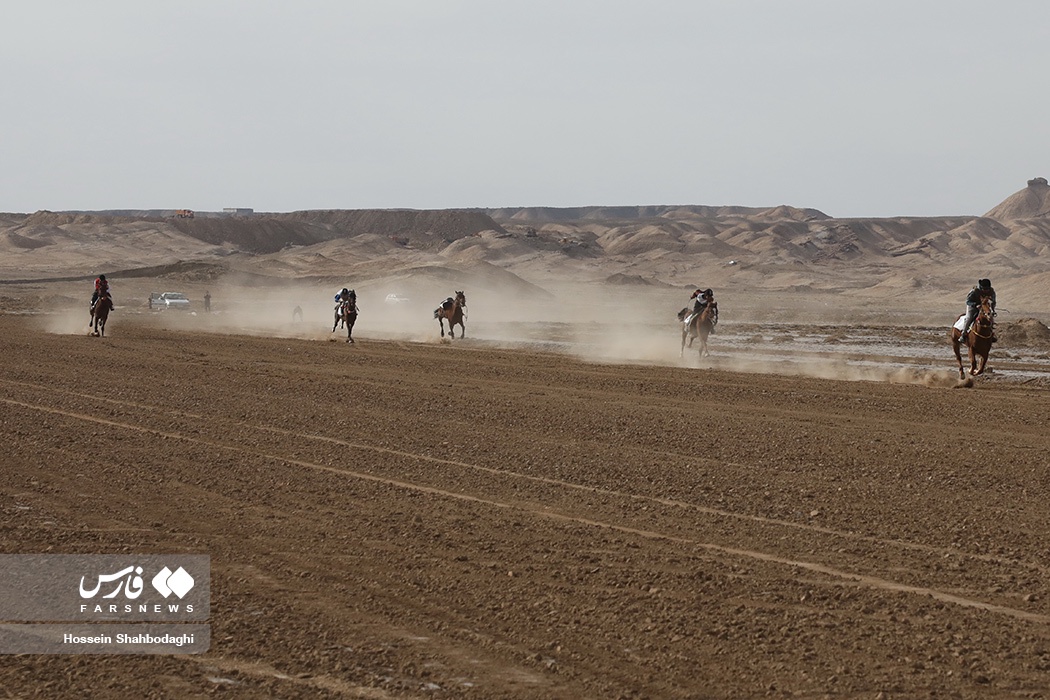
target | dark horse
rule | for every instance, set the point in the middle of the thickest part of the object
(99, 314)
(346, 313)
(700, 326)
(978, 339)
(455, 310)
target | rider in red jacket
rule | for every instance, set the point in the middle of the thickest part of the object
(101, 289)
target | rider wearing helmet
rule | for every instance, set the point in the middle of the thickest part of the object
(701, 300)
(341, 296)
(981, 290)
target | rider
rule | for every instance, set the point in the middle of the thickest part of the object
(701, 300)
(341, 296)
(101, 289)
(982, 289)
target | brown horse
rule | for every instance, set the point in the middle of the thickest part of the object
(978, 339)
(346, 313)
(700, 326)
(455, 310)
(99, 314)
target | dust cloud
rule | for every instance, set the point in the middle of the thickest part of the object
(609, 324)
(69, 321)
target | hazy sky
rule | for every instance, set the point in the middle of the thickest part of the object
(853, 107)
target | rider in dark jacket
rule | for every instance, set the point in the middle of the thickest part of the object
(341, 296)
(701, 300)
(982, 289)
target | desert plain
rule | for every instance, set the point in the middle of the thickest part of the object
(558, 504)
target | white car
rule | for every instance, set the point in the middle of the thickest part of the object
(172, 300)
(396, 299)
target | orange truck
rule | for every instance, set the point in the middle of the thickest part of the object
(183, 213)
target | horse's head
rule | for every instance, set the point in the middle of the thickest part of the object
(985, 310)
(461, 298)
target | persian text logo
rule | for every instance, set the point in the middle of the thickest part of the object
(166, 582)
(134, 581)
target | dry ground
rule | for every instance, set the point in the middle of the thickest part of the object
(450, 520)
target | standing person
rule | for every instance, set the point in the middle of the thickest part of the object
(207, 302)
(982, 289)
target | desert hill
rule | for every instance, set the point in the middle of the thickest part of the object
(1031, 202)
(772, 249)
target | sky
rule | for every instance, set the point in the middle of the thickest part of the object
(857, 108)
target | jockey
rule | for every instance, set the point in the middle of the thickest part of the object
(101, 289)
(982, 289)
(701, 300)
(341, 296)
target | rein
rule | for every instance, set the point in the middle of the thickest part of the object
(987, 321)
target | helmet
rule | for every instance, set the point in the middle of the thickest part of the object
(345, 291)
(102, 277)
(984, 283)
(708, 292)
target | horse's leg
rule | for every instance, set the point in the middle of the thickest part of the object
(462, 330)
(681, 352)
(983, 361)
(441, 322)
(953, 338)
(349, 329)
(335, 324)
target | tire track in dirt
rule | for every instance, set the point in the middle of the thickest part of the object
(669, 502)
(864, 580)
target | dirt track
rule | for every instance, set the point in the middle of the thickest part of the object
(405, 519)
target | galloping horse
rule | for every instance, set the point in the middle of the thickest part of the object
(455, 310)
(978, 339)
(99, 314)
(346, 313)
(700, 326)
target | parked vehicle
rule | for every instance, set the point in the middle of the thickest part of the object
(171, 300)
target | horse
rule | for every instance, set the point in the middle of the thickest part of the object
(338, 312)
(978, 339)
(346, 313)
(99, 314)
(700, 326)
(455, 310)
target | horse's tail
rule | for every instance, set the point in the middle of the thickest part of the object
(437, 312)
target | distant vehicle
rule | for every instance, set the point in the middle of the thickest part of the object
(171, 300)
(396, 299)
(183, 213)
